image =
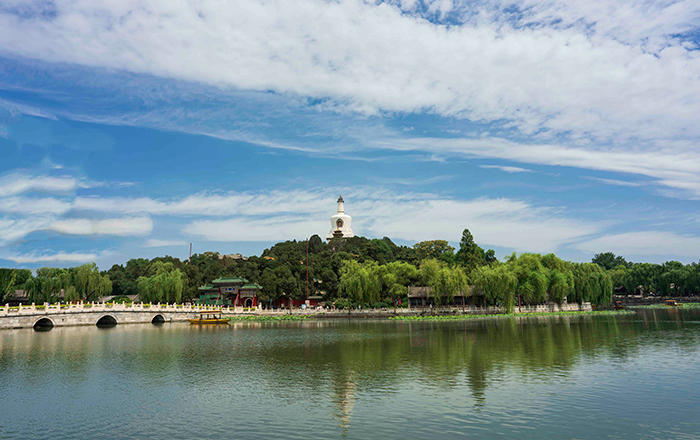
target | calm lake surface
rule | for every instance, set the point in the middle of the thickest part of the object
(629, 377)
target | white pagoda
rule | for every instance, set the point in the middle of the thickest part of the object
(340, 223)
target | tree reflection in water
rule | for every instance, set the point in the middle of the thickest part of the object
(339, 361)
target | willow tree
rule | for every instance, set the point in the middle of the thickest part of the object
(8, 278)
(166, 284)
(532, 277)
(591, 283)
(429, 269)
(360, 283)
(561, 284)
(395, 278)
(498, 285)
(47, 284)
(447, 282)
(88, 283)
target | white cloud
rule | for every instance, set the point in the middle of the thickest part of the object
(60, 257)
(246, 229)
(114, 226)
(204, 204)
(506, 169)
(554, 68)
(17, 183)
(153, 242)
(34, 206)
(645, 243)
(15, 108)
(414, 217)
(616, 182)
(15, 228)
(678, 170)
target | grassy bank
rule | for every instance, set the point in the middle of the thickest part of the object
(467, 317)
(664, 306)
(257, 318)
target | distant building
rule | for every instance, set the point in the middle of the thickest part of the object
(17, 298)
(340, 223)
(232, 292)
(233, 257)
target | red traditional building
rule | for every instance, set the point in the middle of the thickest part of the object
(232, 292)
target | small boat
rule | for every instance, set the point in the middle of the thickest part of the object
(672, 303)
(209, 317)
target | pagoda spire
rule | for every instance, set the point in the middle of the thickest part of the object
(341, 207)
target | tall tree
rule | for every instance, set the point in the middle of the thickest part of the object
(432, 249)
(608, 260)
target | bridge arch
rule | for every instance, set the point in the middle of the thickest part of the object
(106, 321)
(158, 319)
(43, 324)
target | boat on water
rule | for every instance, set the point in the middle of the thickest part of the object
(209, 317)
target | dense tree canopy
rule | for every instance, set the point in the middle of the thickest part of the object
(82, 283)
(368, 272)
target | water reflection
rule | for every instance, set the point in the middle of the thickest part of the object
(282, 375)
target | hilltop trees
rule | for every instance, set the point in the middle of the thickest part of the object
(433, 249)
(368, 272)
(471, 255)
(608, 260)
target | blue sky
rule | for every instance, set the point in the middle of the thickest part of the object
(132, 128)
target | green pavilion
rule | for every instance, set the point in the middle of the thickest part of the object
(231, 292)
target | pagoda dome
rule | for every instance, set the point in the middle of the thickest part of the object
(340, 223)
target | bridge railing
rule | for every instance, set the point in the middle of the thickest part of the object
(80, 306)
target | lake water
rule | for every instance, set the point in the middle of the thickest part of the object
(628, 377)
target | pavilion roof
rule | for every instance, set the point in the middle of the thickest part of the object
(207, 287)
(252, 286)
(233, 280)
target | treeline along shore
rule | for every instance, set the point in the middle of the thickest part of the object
(361, 273)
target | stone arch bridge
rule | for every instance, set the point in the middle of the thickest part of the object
(60, 315)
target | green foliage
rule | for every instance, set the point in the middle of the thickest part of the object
(8, 281)
(429, 270)
(82, 283)
(382, 271)
(497, 284)
(360, 283)
(609, 261)
(165, 283)
(591, 283)
(434, 249)
(342, 303)
(446, 283)
(533, 277)
(395, 278)
(470, 254)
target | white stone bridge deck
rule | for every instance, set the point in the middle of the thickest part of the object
(59, 315)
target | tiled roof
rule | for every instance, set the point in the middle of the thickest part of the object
(234, 280)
